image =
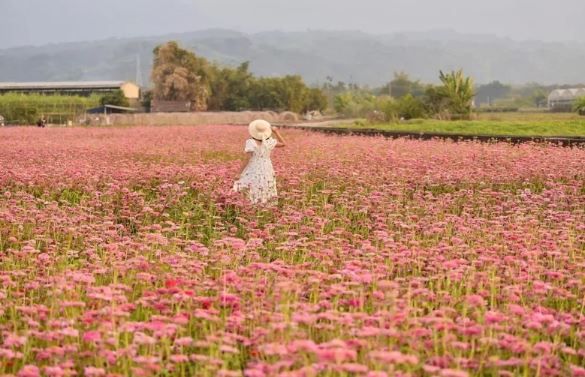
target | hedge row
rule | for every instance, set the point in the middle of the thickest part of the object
(28, 108)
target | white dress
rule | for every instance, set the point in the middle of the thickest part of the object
(258, 176)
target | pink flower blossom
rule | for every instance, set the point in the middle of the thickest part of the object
(128, 245)
(29, 371)
(92, 336)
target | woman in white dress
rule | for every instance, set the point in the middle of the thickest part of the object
(257, 174)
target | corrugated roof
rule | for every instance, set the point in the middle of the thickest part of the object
(61, 85)
(100, 109)
(120, 108)
(566, 94)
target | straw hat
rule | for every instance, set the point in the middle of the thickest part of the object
(260, 129)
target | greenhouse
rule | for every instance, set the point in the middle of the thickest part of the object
(563, 99)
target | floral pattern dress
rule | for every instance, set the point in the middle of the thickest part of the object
(258, 177)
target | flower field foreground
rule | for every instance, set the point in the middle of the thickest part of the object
(123, 252)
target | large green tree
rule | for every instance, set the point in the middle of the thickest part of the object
(266, 94)
(401, 85)
(230, 88)
(316, 100)
(491, 92)
(295, 93)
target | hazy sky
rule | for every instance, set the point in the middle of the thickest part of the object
(35, 22)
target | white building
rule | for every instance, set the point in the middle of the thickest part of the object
(563, 99)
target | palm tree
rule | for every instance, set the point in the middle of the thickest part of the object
(458, 92)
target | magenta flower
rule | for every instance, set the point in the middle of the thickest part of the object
(92, 336)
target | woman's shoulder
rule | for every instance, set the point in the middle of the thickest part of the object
(250, 145)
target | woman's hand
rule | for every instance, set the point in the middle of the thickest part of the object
(281, 142)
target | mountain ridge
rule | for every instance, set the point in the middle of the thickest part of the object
(348, 56)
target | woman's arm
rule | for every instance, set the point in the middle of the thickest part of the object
(244, 164)
(281, 143)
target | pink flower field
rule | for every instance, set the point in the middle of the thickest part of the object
(123, 252)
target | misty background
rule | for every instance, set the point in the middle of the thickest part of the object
(26, 22)
(363, 42)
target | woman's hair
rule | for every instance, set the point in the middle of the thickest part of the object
(261, 140)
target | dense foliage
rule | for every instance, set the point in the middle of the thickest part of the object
(179, 74)
(116, 98)
(458, 92)
(579, 106)
(489, 94)
(410, 99)
(26, 109)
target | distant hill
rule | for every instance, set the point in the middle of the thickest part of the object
(345, 56)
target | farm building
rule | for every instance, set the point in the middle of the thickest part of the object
(84, 88)
(563, 99)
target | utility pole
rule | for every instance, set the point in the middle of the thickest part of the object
(138, 71)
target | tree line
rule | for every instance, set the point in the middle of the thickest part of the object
(181, 75)
(403, 98)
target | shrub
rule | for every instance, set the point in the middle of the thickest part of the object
(115, 98)
(406, 107)
(579, 106)
(316, 100)
(409, 107)
(354, 104)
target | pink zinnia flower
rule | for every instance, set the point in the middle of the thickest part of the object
(184, 342)
(29, 371)
(577, 371)
(55, 371)
(92, 336)
(179, 358)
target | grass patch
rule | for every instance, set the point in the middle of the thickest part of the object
(537, 124)
(495, 128)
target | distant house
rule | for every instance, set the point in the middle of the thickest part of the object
(84, 88)
(563, 99)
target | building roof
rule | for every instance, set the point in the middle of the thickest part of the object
(566, 94)
(100, 109)
(62, 85)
